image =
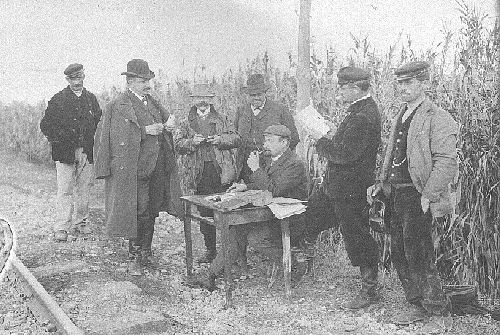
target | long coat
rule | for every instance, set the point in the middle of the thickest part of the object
(431, 152)
(225, 151)
(352, 153)
(68, 124)
(116, 155)
(251, 128)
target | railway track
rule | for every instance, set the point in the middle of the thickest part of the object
(41, 305)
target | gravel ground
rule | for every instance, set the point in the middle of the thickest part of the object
(88, 278)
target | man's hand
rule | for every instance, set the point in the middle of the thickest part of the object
(197, 139)
(154, 129)
(372, 191)
(170, 124)
(332, 131)
(237, 187)
(214, 139)
(253, 161)
(425, 203)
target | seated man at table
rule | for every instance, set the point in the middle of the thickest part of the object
(284, 175)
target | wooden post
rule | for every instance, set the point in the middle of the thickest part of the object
(303, 74)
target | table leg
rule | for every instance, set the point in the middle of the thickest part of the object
(287, 257)
(228, 278)
(188, 238)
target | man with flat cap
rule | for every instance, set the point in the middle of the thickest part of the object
(351, 151)
(69, 124)
(254, 117)
(419, 164)
(284, 175)
(209, 144)
(134, 154)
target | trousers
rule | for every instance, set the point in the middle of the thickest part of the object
(73, 187)
(412, 252)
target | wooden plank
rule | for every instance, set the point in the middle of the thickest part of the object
(188, 238)
(228, 280)
(245, 215)
(287, 256)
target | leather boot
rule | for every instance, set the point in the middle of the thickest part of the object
(202, 280)
(368, 293)
(208, 256)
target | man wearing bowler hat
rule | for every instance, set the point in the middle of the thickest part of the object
(253, 118)
(419, 164)
(351, 151)
(134, 154)
(208, 143)
(69, 124)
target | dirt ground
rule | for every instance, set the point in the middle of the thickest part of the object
(88, 279)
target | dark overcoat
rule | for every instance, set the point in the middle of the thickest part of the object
(352, 153)
(251, 128)
(116, 155)
(70, 122)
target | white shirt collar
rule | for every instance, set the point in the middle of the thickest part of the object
(256, 110)
(201, 113)
(138, 96)
(362, 98)
(411, 108)
(78, 93)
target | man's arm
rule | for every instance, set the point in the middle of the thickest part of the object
(348, 146)
(288, 179)
(443, 141)
(51, 125)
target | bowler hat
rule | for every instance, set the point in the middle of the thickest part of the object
(139, 68)
(417, 69)
(74, 70)
(351, 74)
(279, 130)
(202, 90)
(256, 84)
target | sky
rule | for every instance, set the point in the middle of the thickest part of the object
(39, 38)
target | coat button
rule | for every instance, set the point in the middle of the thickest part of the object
(126, 120)
(121, 167)
(392, 174)
(122, 143)
(400, 133)
(398, 140)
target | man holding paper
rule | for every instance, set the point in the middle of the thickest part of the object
(351, 151)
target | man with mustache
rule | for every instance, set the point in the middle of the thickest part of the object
(208, 144)
(420, 162)
(69, 124)
(284, 175)
(134, 154)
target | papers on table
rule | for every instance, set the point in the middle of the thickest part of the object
(313, 122)
(286, 207)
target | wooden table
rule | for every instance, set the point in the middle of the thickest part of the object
(224, 218)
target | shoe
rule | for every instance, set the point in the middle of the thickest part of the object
(148, 260)
(134, 267)
(414, 314)
(60, 235)
(207, 257)
(361, 301)
(205, 281)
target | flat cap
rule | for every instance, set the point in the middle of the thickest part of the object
(278, 129)
(351, 74)
(417, 69)
(73, 70)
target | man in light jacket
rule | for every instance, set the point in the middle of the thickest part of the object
(419, 165)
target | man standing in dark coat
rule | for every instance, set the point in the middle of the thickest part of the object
(69, 124)
(253, 118)
(351, 152)
(135, 156)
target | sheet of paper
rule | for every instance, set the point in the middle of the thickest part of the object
(313, 122)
